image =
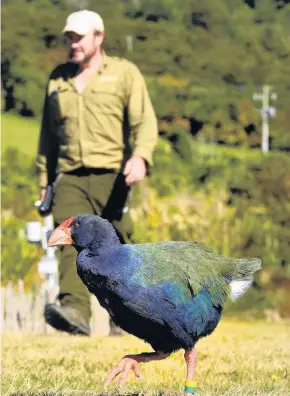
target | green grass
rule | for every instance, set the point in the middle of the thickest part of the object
(238, 359)
(21, 133)
(241, 153)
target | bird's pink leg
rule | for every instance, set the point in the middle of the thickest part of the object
(131, 362)
(191, 360)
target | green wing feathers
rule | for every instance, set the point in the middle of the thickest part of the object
(193, 266)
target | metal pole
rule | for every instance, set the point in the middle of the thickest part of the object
(265, 115)
(129, 40)
(266, 111)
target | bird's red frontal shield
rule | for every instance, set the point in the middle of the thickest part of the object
(62, 234)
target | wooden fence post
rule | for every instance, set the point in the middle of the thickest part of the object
(100, 321)
(24, 311)
(2, 324)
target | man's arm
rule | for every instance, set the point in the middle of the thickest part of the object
(41, 160)
(143, 125)
(135, 170)
(46, 158)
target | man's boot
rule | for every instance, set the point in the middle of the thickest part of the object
(66, 318)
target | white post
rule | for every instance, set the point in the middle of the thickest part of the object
(265, 115)
(266, 112)
(129, 40)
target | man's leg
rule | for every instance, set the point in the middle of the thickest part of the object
(74, 313)
(109, 196)
(73, 292)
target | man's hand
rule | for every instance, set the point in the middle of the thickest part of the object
(135, 170)
(42, 193)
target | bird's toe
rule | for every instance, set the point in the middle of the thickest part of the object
(123, 368)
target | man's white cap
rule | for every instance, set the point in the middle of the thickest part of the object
(82, 22)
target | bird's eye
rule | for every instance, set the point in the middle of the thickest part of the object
(76, 223)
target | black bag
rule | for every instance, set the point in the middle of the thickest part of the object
(46, 205)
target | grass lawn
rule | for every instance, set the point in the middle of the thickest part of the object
(22, 133)
(19, 132)
(238, 359)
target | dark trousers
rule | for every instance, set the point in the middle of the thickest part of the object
(95, 191)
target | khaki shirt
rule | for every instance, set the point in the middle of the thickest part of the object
(94, 129)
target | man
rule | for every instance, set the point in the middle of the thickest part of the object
(94, 105)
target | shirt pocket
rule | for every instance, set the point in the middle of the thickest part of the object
(107, 99)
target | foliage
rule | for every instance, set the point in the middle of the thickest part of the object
(19, 192)
(19, 184)
(166, 161)
(18, 256)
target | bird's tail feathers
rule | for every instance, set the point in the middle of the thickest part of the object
(239, 287)
(243, 277)
(246, 267)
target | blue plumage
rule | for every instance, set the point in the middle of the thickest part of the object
(157, 306)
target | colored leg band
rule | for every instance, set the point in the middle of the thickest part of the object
(191, 383)
(190, 389)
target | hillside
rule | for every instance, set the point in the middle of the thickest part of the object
(202, 60)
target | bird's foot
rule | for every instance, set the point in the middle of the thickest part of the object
(129, 362)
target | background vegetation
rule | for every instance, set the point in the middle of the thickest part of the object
(202, 62)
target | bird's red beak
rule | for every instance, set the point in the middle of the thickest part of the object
(62, 234)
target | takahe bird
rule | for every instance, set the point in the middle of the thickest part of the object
(169, 294)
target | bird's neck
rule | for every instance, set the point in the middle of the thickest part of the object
(94, 258)
(106, 248)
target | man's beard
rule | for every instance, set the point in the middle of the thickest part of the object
(86, 58)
